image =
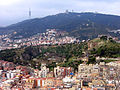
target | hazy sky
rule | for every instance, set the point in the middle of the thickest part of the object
(12, 11)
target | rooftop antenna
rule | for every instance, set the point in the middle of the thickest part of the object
(29, 13)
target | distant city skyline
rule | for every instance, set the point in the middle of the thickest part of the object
(13, 11)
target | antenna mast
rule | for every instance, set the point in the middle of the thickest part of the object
(29, 13)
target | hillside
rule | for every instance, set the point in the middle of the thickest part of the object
(64, 55)
(105, 47)
(33, 55)
(80, 25)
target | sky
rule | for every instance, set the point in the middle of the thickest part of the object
(13, 11)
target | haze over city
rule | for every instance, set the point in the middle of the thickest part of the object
(12, 11)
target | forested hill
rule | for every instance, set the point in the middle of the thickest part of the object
(64, 55)
(81, 25)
